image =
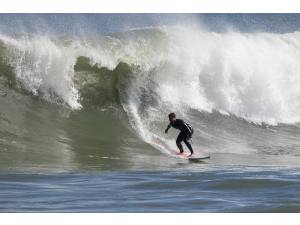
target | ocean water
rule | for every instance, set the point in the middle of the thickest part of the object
(217, 190)
(84, 101)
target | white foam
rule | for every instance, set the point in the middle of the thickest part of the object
(253, 76)
(44, 67)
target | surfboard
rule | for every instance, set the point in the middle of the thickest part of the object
(193, 158)
(198, 159)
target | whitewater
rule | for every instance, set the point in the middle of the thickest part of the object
(80, 107)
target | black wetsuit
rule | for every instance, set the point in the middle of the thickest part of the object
(186, 132)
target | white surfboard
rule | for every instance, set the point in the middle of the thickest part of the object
(193, 158)
(198, 159)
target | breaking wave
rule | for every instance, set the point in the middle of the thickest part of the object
(150, 72)
(250, 75)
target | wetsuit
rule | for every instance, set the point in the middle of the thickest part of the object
(185, 135)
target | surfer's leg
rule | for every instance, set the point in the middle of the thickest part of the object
(188, 144)
(179, 140)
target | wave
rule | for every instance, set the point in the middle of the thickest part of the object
(252, 76)
(232, 87)
(152, 71)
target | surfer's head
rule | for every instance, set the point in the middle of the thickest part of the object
(172, 117)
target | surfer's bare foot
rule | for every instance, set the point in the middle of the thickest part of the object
(180, 153)
(191, 155)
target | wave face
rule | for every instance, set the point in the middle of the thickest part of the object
(217, 81)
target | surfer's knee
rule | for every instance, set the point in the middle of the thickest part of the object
(178, 142)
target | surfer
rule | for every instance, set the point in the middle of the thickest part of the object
(185, 135)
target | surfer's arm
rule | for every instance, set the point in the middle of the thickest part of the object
(166, 131)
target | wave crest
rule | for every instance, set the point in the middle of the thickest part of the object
(252, 76)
